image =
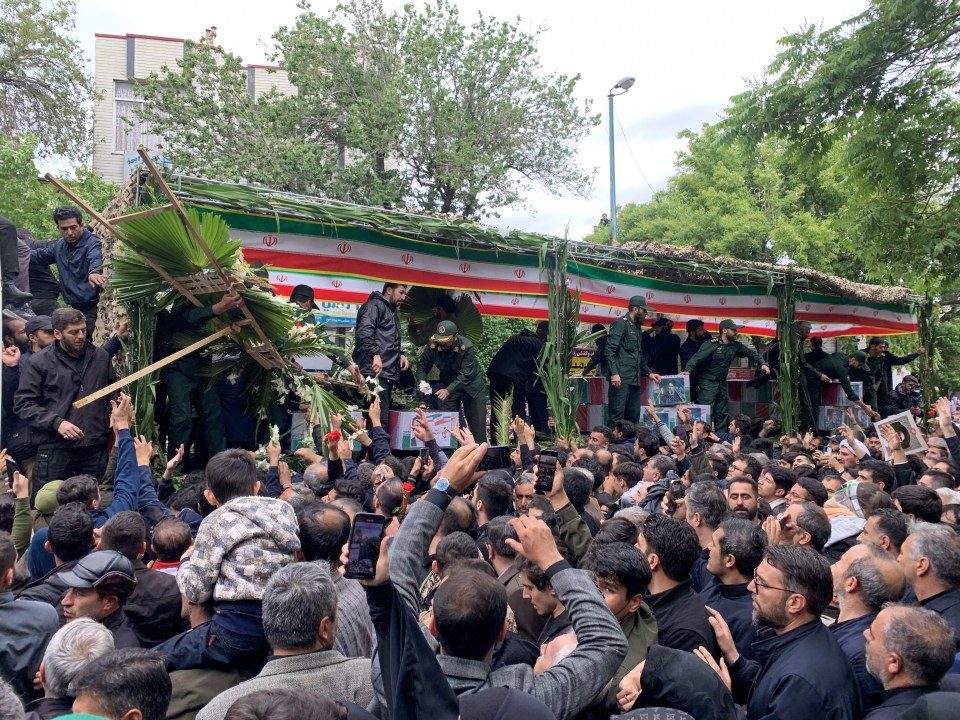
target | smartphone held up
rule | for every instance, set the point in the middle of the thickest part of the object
(366, 533)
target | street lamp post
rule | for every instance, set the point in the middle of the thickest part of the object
(624, 85)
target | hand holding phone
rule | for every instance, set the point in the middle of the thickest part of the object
(546, 468)
(497, 457)
(364, 546)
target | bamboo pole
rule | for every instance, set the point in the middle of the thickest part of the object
(142, 372)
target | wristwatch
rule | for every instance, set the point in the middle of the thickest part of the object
(444, 486)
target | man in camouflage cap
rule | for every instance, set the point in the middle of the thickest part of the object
(460, 375)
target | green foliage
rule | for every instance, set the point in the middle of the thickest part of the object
(874, 102)
(753, 203)
(502, 409)
(564, 336)
(946, 366)
(29, 203)
(209, 125)
(428, 111)
(44, 87)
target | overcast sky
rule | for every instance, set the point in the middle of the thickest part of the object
(688, 58)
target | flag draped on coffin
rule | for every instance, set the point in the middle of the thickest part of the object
(345, 263)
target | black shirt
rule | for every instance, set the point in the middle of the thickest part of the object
(682, 619)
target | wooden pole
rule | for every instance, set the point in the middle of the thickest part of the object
(198, 238)
(142, 372)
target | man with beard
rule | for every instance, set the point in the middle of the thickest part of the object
(71, 441)
(736, 549)
(713, 360)
(377, 349)
(625, 362)
(799, 671)
(697, 335)
(743, 498)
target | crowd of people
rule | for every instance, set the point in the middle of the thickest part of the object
(711, 571)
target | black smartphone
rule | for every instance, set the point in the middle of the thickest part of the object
(677, 490)
(424, 454)
(365, 536)
(496, 458)
(546, 467)
(12, 467)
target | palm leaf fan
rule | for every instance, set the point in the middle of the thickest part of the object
(419, 311)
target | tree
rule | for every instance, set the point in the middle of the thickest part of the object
(428, 112)
(876, 97)
(44, 88)
(29, 203)
(749, 202)
(485, 123)
(210, 125)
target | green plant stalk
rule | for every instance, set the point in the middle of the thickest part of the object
(502, 408)
(789, 378)
(553, 367)
(927, 337)
(141, 316)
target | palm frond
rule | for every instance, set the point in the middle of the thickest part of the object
(502, 409)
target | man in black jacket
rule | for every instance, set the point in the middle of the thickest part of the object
(377, 349)
(671, 548)
(71, 441)
(736, 548)
(513, 368)
(865, 579)
(799, 671)
(880, 359)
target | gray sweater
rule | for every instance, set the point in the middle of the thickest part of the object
(566, 688)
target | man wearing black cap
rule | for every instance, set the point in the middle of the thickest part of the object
(625, 362)
(303, 297)
(99, 586)
(39, 330)
(713, 360)
(460, 375)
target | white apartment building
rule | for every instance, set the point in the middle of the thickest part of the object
(121, 63)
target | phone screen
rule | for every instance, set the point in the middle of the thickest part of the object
(12, 467)
(424, 454)
(546, 467)
(365, 537)
(496, 458)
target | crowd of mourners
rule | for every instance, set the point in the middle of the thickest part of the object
(646, 571)
(715, 575)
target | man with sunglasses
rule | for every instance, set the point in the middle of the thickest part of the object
(800, 671)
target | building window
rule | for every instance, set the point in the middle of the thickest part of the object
(128, 137)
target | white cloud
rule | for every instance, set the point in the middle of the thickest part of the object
(688, 58)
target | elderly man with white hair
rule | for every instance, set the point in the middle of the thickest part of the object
(68, 652)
